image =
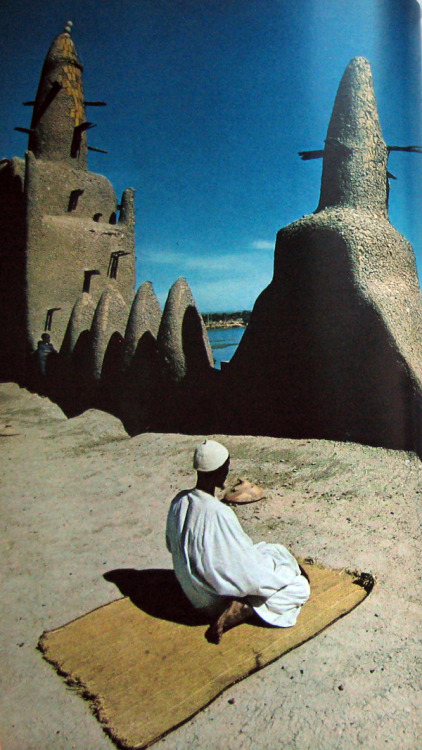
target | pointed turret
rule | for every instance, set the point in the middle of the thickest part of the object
(338, 332)
(145, 315)
(182, 339)
(80, 320)
(58, 127)
(107, 329)
(355, 155)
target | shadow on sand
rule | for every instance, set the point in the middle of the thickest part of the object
(156, 592)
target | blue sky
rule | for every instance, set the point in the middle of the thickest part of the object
(209, 102)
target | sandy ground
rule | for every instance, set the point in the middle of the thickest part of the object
(79, 498)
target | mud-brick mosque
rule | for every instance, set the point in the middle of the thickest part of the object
(334, 346)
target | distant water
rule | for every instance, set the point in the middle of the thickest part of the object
(224, 342)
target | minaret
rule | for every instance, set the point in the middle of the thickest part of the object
(338, 332)
(72, 241)
(355, 155)
(58, 127)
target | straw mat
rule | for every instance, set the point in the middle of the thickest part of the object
(145, 665)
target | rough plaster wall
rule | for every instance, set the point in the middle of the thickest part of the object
(55, 183)
(355, 155)
(340, 356)
(110, 318)
(80, 320)
(61, 247)
(127, 210)
(138, 387)
(384, 268)
(339, 329)
(182, 338)
(57, 220)
(145, 315)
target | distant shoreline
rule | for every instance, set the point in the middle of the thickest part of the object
(225, 324)
(235, 319)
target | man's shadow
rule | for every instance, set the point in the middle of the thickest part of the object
(158, 593)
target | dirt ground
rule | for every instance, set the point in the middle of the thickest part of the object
(80, 498)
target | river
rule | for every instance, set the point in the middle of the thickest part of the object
(224, 342)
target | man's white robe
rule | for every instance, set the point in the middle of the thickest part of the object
(214, 558)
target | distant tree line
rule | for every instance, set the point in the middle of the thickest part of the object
(243, 316)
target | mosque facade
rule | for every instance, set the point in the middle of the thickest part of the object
(63, 233)
(333, 349)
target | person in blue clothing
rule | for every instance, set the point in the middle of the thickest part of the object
(44, 349)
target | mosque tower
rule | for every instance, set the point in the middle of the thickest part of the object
(338, 331)
(62, 232)
(59, 127)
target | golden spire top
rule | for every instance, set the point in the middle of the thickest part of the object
(58, 128)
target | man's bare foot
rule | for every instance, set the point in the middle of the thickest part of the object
(233, 615)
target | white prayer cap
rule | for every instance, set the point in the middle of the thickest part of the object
(209, 456)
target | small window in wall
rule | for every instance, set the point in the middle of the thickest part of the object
(87, 279)
(49, 318)
(113, 263)
(97, 217)
(113, 218)
(73, 199)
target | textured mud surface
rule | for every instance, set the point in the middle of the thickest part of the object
(79, 498)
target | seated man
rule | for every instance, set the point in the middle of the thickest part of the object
(217, 565)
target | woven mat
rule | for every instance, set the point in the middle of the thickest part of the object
(144, 663)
